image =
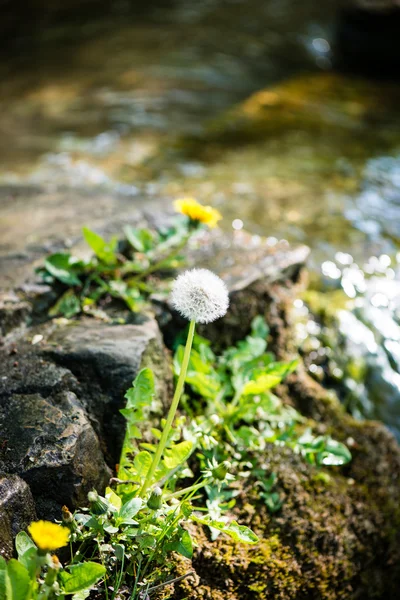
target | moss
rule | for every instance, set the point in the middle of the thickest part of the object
(332, 539)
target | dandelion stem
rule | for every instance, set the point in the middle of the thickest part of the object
(171, 414)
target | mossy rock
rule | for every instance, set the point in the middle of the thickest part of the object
(336, 536)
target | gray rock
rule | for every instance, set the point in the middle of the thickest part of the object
(105, 360)
(13, 312)
(51, 444)
(59, 403)
(17, 510)
(110, 354)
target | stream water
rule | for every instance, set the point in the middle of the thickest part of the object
(235, 103)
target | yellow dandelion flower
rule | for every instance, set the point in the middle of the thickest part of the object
(48, 536)
(197, 212)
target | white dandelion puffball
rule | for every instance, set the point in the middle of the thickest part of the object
(200, 295)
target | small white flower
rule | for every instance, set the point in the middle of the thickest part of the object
(200, 295)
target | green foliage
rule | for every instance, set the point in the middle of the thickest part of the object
(35, 576)
(235, 413)
(124, 270)
(80, 577)
(124, 540)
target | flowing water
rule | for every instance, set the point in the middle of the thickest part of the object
(235, 103)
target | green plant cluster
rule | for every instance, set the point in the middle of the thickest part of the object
(234, 414)
(38, 575)
(171, 477)
(118, 269)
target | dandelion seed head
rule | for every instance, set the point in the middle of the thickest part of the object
(200, 295)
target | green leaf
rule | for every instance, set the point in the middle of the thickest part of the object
(261, 384)
(17, 581)
(113, 499)
(119, 550)
(62, 267)
(140, 239)
(67, 305)
(26, 550)
(184, 546)
(142, 391)
(142, 463)
(23, 543)
(139, 397)
(81, 577)
(281, 368)
(177, 454)
(129, 510)
(82, 595)
(205, 385)
(111, 529)
(239, 533)
(259, 328)
(3, 578)
(201, 375)
(105, 251)
(335, 454)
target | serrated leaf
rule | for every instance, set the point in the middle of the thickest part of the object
(177, 454)
(142, 391)
(239, 533)
(261, 384)
(142, 463)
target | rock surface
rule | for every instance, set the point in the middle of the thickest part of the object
(61, 388)
(253, 270)
(17, 510)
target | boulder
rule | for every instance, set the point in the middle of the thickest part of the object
(105, 359)
(61, 388)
